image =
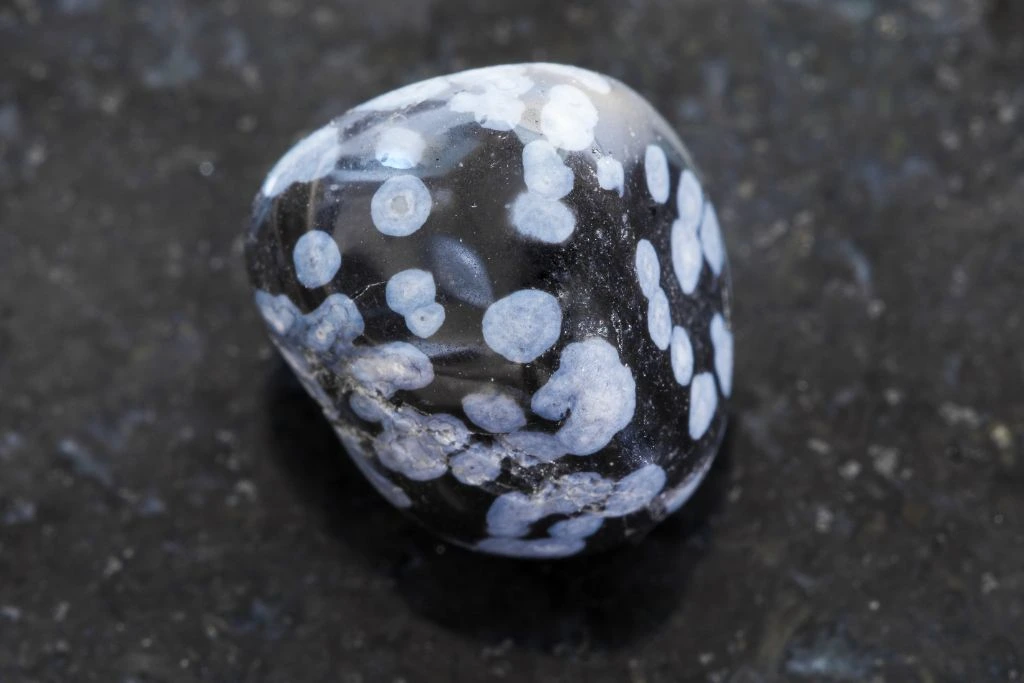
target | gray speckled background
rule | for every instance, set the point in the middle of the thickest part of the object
(173, 509)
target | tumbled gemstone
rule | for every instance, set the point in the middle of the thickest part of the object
(508, 290)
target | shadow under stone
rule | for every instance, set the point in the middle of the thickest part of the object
(597, 602)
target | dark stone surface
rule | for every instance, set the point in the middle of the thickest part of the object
(172, 510)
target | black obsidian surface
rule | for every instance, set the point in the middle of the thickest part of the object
(508, 292)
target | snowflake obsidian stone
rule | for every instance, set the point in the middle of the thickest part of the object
(509, 293)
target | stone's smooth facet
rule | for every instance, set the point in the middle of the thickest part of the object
(508, 291)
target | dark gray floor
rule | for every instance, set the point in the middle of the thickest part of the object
(173, 509)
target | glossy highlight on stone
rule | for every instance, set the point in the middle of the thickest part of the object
(508, 290)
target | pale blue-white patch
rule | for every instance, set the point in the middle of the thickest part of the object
(391, 367)
(400, 148)
(544, 171)
(460, 272)
(476, 465)
(722, 340)
(312, 158)
(593, 391)
(659, 319)
(681, 355)
(635, 491)
(317, 259)
(656, 171)
(522, 325)
(335, 321)
(611, 175)
(418, 445)
(711, 239)
(583, 526)
(409, 289)
(493, 410)
(512, 514)
(687, 258)
(689, 200)
(568, 118)
(278, 311)
(648, 270)
(542, 218)
(493, 96)
(534, 548)
(400, 206)
(425, 320)
(586, 497)
(703, 403)
(367, 407)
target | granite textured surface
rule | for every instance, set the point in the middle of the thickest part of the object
(172, 507)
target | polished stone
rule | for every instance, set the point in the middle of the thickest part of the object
(516, 334)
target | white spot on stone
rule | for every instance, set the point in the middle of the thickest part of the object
(674, 498)
(523, 325)
(401, 206)
(541, 218)
(568, 118)
(610, 174)
(703, 403)
(366, 407)
(411, 293)
(711, 239)
(656, 169)
(391, 367)
(722, 340)
(494, 411)
(687, 258)
(361, 457)
(583, 526)
(689, 201)
(400, 148)
(418, 445)
(594, 389)
(317, 259)
(544, 171)
(425, 320)
(278, 311)
(311, 158)
(681, 355)
(495, 97)
(586, 498)
(635, 491)
(410, 289)
(335, 321)
(511, 514)
(588, 79)
(535, 548)
(659, 319)
(460, 272)
(648, 270)
(408, 96)
(477, 465)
